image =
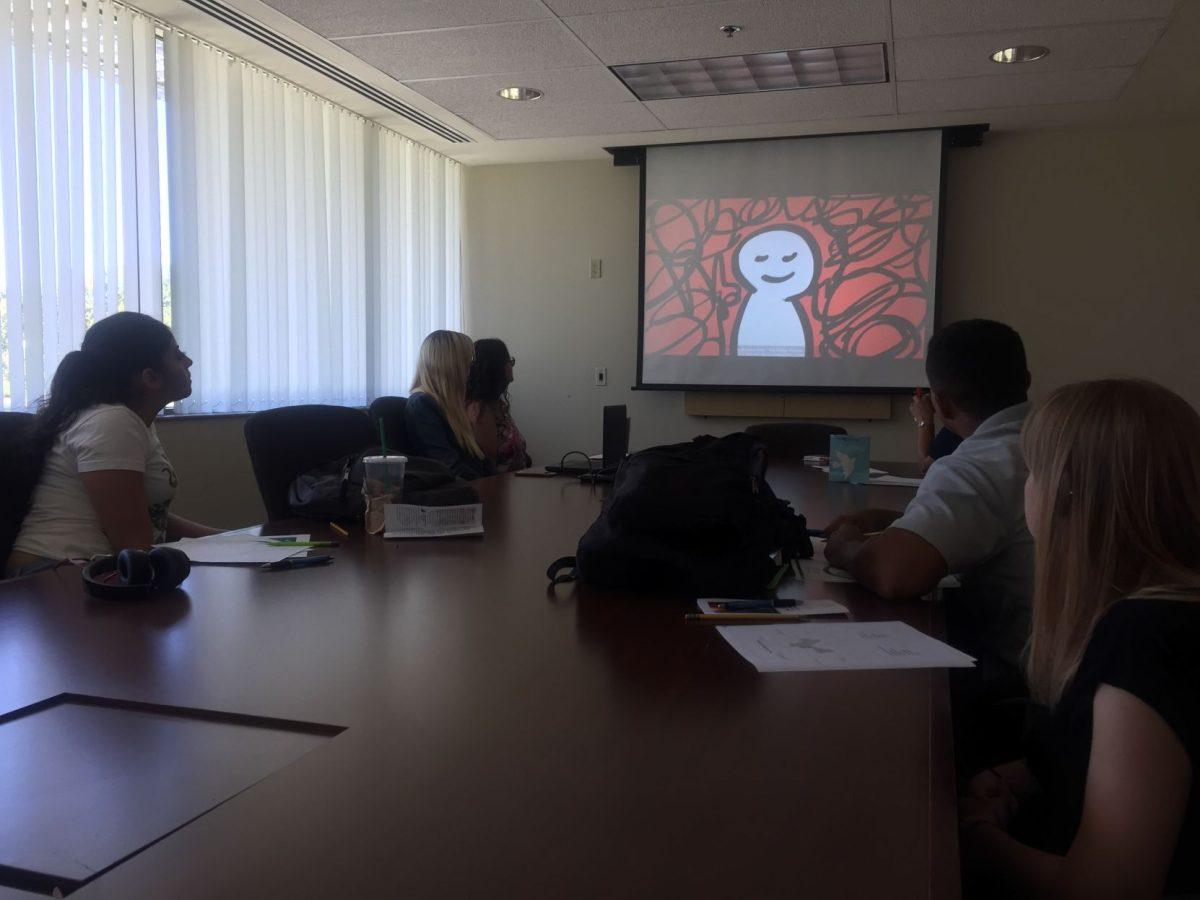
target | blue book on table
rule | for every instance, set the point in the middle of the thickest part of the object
(849, 458)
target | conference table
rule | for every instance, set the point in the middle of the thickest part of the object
(431, 719)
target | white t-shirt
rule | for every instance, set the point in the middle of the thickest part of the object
(62, 523)
(971, 508)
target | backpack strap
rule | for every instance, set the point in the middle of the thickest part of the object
(563, 562)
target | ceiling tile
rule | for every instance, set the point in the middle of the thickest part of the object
(344, 18)
(530, 120)
(686, 32)
(586, 7)
(590, 85)
(482, 50)
(1029, 89)
(1113, 44)
(918, 18)
(776, 107)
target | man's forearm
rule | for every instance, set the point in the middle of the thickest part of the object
(878, 519)
(897, 564)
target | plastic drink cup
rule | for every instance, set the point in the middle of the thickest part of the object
(383, 483)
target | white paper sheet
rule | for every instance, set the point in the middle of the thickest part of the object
(802, 608)
(237, 549)
(874, 472)
(402, 520)
(894, 479)
(246, 537)
(830, 646)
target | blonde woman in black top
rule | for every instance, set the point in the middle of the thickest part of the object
(1106, 804)
(436, 412)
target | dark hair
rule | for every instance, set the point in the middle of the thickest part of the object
(114, 350)
(487, 381)
(980, 365)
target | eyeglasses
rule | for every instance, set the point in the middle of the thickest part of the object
(512, 360)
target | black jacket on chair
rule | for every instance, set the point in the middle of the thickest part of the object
(429, 435)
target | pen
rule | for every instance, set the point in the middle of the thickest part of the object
(296, 562)
(303, 544)
(339, 529)
(757, 618)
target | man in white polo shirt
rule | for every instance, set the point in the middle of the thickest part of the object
(968, 515)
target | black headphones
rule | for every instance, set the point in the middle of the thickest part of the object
(136, 574)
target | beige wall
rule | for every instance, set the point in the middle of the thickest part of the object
(216, 484)
(1082, 240)
(1086, 241)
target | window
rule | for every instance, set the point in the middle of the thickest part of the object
(299, 252)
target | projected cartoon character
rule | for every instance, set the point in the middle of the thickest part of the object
(776, 266)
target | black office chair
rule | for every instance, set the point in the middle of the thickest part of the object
(286, 442)
(793, 440)
(17, 479)
(391, 410)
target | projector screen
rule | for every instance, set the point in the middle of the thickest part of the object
(792, 264)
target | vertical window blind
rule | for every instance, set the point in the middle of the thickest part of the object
(300, 252)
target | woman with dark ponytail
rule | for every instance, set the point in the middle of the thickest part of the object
(105, 483)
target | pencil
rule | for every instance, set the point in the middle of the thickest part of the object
(339, 529)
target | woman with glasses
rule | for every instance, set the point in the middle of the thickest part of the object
(489, 408)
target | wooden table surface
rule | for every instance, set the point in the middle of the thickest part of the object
(503, 739)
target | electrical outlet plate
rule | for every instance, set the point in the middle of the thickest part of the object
(597, 269)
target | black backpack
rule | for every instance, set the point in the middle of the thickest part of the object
(695, 518)
(334, 490)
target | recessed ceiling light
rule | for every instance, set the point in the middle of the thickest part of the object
(780, 70)
(520, 93)
(730, 30)
(1019, 54)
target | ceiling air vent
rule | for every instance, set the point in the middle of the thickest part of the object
(781, 70)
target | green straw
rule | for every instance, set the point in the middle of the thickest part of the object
(383, 444)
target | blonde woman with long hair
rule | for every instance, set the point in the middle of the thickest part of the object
(436, 413)
(1106, 804)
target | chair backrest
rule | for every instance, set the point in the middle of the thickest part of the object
(286, 442)
(391, 410)
(17, 479)
(792, 440)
